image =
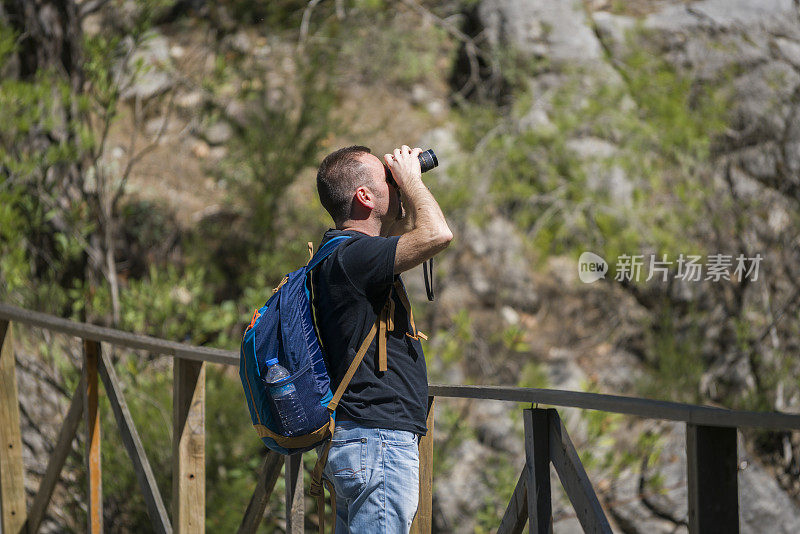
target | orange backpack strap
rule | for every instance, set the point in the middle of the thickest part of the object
(285, 279)
(320, 498)
(316, 490)
(385, 325)
(401, 292)
(362, 350)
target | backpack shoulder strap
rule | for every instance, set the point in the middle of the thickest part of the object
(337, 396)
(326, 251)
(401, 292)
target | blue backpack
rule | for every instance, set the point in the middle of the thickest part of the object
(283, 328)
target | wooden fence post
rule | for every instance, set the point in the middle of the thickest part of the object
(295, 505)
(537, 466)
(91, 356)
(188, 446)
(12, 482)
(516, 514)
(532, 498)
(712, 464)
(423, 521)
(55, 464)
(133, 445)
(267, 477)
(574, 479)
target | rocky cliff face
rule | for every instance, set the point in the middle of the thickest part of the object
(753, 50)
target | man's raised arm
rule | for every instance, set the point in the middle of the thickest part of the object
(430, 233)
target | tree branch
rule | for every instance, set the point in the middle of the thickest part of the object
(89, 7)
(305, 23)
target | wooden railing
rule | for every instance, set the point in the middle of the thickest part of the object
(711, 444)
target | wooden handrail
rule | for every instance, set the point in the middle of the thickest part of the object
(648, 408)
(641, 407)
(118, 337)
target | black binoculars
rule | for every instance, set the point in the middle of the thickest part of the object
(427, 161)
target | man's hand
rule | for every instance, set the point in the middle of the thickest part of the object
(404, 165)
(403, 225)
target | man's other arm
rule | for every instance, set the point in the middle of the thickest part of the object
(429, 234)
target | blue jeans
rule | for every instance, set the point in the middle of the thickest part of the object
(375, 473)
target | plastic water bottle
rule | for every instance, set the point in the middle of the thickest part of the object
(285, 400)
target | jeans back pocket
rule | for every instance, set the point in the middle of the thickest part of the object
(347, 466)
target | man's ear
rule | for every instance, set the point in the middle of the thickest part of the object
(364, 197)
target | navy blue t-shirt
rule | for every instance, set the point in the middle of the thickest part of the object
(350, 289)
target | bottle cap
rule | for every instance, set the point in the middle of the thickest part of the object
(271, 362)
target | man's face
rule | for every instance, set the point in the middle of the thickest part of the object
(387, 204)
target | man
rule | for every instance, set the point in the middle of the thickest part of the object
(373, 462)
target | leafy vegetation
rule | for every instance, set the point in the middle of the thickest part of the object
(73, 241)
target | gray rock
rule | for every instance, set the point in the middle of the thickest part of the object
(509, 315)
(720, 14)
(628, 507)
(759, 162)
(563, 371)
(792, 133)
(791, 144)
(779, 220)
(674, 19)
(436, 107)
(218, 133)
(238, 112)
(150, 67)
(190, 100)
(620, 371)
(592, 147)
(464, 491)
(602, 174)
(712, 37)
(712, 55)
(787, 50)
(568, 524)
(613, 30)
(499, 269)
(728, 13)
(793, 160)
(44, 409)
(754, 48)
(239, 42)
(759, 44)
(543, 88)
(159, 124)
(709, 36)
(763, 95)
(419, 94)
(557, 30)
(762, 502)
(497, 425)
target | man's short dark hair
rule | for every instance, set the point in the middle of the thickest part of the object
(338, 177)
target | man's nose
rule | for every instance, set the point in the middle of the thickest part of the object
(389, 177)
